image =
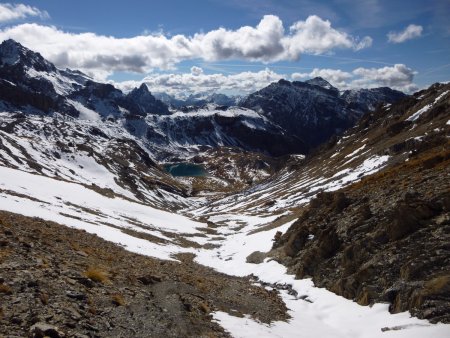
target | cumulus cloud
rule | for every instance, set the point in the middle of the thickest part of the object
(398, 76)
(100, 55)
(188, 83)
(11, 12)
(196, 70)
(316, 36)
(410, 32)
(260, 43)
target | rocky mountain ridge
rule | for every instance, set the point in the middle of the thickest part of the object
(314, 110)
(302, 114)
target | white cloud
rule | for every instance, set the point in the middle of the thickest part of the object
(100, 55)
(316, 36)
(196, 70)
(398, 77)
(11, 12)
(188, 83)
(260, 43)
(410, 32)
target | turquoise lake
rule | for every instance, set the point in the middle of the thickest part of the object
(185, 169)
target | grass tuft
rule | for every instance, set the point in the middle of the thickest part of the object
(6, 289)
(118, 300)
(97, 275)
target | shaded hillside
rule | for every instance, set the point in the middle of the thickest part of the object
(386, 238)
(314, 110)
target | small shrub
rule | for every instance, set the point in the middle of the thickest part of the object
(44, 298)
(96, 275)
(204, 307)
(118, 300)
(437, 285)
(6, 289)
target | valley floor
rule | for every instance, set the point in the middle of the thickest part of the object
(48, 272)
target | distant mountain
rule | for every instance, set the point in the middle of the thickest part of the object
(213, 126)
(367, 99)
(145, 102)
(199, 99)
(283, 118)
(314, 110)
(33, 84)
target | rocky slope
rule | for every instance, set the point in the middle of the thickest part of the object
(61, 282)
(385, 238)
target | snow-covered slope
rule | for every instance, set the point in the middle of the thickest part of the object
(212, 126)
(100, 155)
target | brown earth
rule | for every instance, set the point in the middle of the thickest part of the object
(61, 282)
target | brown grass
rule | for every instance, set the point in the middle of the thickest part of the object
(97, 275)
(4, 254)
(437, 284)
(44, 298)
(204, 307)
(6, 289)
(118, 299)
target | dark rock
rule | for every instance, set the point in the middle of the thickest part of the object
(149, 279)
(256, 257)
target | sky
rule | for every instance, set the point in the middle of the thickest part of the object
(239, 46)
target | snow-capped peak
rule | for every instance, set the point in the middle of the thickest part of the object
(12, 52)
(318, 81)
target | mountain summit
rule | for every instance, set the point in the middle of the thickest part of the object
(146, 102)
(314, 110)
(12, 53)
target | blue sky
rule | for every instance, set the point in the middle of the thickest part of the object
(178, 46)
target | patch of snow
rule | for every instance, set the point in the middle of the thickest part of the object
(85, 113)
(425, 108)
(65, 203)
(356, 151)
(328, 315)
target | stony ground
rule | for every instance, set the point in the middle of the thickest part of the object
(60, 282)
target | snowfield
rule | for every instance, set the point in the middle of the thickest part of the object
(323, 315)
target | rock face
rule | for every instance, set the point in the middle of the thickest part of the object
(21, 85)
(146, 102)
(385, 238)
(315, 110)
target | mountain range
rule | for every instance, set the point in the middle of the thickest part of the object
(295, 116)
(309, 204)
